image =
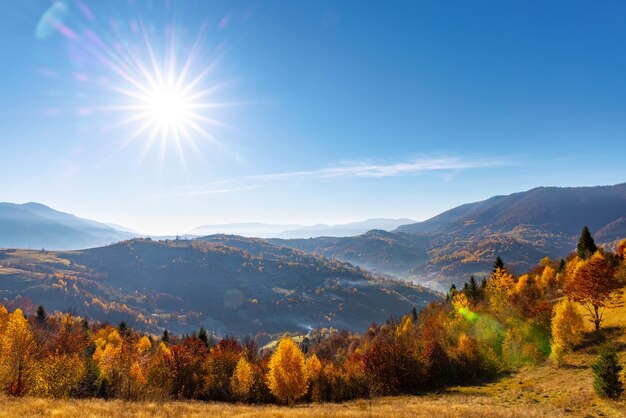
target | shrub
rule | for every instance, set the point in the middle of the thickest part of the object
(606, 372)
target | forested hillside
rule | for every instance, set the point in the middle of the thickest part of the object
(522, 227)
(481, 332)
(237, 286)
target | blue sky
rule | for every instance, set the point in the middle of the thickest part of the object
(324, 111)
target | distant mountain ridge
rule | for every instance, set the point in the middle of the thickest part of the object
(33, 225)
(266, 230)
(560, 209)
(522, 228)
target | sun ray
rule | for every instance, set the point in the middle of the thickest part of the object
(161, 82)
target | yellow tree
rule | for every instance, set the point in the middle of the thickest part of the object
(109, 355)
(140, 361)
(4, 316)
(242, 380)
(159, 374)
(286, 378)
(57, 375)
(17, 349)
(313, 367)
(567, 330)
(500, 289)
(593, 284)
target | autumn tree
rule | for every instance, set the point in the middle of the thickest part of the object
(108, 357)
(159, 373)
(242, 380)
(4, 317)
(187, 368)
(286, 378)
(314, 368)
(392, 366)
(586, 245)
(58, 375)
(219, 367)
(17, 350)
(621, 250)
(500, 289)
(567, 330)
(140, 360)
(592, 283)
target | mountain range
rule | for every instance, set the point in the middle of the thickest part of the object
(33, 225)
(265, 230)
(522, 228)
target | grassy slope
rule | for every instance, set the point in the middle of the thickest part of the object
(542, 391)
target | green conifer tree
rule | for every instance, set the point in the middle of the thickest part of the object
(586, 244)
(473, 288)
(499, 264)
(42, 315)
(452, 292)
(606, 373)
(203, 336)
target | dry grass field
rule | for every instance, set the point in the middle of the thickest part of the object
(543, 391)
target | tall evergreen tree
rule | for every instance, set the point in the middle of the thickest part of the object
(123, 328)
(165, 337)
(452, 292)
(473, 288)
(586, 245)
(606, 373)
(499, 264)
(203, 336)
(42, 315)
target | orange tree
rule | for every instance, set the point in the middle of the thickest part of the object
(593, 284)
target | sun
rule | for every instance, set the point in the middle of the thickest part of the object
(162, 85)
(168, 111)
(169, 107)
(166, 105)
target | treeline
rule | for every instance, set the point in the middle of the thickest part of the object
(482, 329)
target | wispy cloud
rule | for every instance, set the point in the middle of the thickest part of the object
(208, 189)
(351, 169)
(373, 169)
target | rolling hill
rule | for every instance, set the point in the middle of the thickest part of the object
(33, 225)
(521, 227)
(216, 283)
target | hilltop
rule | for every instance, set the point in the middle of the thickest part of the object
(225, 286)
